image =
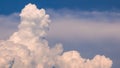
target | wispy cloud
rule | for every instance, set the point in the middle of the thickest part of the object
(89, 25)
(8, 24)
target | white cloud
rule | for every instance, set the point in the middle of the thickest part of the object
(27, 47)
(72, 59)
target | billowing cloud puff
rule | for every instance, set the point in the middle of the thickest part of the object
(72, 59)
(27, 48)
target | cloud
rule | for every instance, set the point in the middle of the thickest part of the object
(84, 25)
(16, 52)
(8, 24)
(28, 48)
(72, 59)
(89, 32)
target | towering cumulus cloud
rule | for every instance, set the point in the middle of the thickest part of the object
(27, 48)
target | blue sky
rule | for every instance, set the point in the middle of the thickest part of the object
(88, 26)
(8, 7)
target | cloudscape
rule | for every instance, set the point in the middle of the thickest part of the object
(28, 47)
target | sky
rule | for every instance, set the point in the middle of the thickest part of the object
(91, 27)
(89, 5)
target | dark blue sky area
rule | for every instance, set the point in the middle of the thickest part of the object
(11, 6)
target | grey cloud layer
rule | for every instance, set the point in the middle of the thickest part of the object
(8, 24)
(85, 24)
